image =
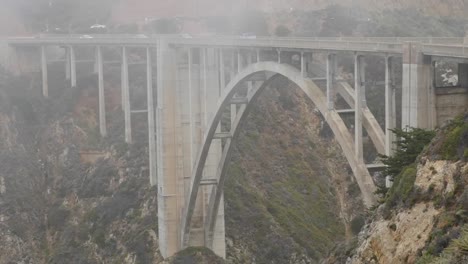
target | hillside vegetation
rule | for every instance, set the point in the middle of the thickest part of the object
(423, 218)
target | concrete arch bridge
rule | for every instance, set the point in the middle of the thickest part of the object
(192, 82)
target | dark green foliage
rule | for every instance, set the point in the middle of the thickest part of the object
(99, 237)
(337, 21)
(357, 223)
(219, 24)
(410, 22)
(455, 145)
(165, 26)
(402, 187)
(63, 16)
(196, 255)
(254, 23)
(57, 217)
(463, 200)
(461, 244)
(278, 193)
(409, 145)
(400, 167)
(282, 31)
(96, 183)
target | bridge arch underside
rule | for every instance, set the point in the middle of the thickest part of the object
(235, 93)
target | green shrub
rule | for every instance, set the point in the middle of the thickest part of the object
(99, 237)
(357, 223)
(460, 245)
(409, 145)
(455, 145)
(402, 187)
(426, 259)
(57, 217)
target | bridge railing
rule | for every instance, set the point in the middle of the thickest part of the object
(444, 50)
(291, 43)
(431, 45)
(429, 40)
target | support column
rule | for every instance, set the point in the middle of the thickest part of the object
(72, 66)
(151, 122)
(190, 103)
(432, 111)
(221, 69)
(96, 63)
(204, 88)
(126, 97)
(390, 114)
(331, 67)
(359, 95)
(167, 137)
(308, 62)
(67, 63)
(279, 55)
(258, 55)
(417, 88)
(212, 162)
(102, 103)
(239, 61)
(45, 82)
(249, 83)
(239, 68)
(232, 71)
(463, 73)
(302, 65)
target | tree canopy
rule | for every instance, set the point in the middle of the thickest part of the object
(408, 146)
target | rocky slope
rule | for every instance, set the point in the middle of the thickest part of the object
(288, 185)
(69, 196)
(127, 10)
(429, 223)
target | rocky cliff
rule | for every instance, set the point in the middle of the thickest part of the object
(429, 223)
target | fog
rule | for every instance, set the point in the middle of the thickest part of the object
(260, 17)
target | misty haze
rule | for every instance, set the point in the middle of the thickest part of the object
(232, 132)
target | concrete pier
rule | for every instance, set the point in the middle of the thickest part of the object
(67, 63)
(72, 66)
(418, 92)
(191, 111)
(167, 136)
(239, 68)
(214, 156)
(331, 68)
(249, 83)
(222, 73)
(45, 78)
(126, 97)
(359, 95)
(390, 107)
(102, 101)
(151, 119)
(303, 65)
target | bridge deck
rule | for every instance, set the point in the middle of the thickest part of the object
(445, 47)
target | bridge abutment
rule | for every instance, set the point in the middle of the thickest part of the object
(453, 101)
(418, 95)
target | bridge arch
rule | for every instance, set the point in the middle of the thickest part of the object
(272, 71)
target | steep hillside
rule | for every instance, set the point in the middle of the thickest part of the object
(288, 184)
(127, 10)
(69, 196)
(424, 217)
